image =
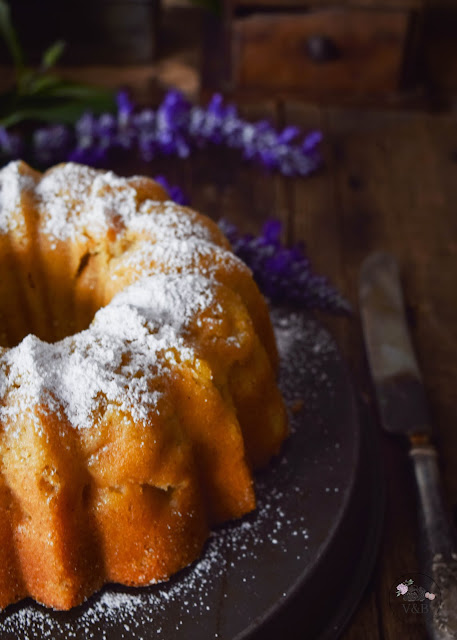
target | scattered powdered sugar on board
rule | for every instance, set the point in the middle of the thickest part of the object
(316, 349)
(270, 549)
(132, 611)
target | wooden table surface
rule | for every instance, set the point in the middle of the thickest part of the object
(389, 182)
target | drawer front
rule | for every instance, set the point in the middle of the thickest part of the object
(322, 52)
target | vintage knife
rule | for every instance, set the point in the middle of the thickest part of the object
(403, 410)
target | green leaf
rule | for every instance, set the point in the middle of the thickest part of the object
(24, 80)
(52, 109)
(65, 114)
(52, 54)
(9, 35)
(41, 84)
(82, 92)
(12, 119)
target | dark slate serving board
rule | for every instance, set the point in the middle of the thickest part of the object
(294, 568)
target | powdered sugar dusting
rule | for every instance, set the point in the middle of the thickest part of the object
(148, 321)
(318, 345)
(165, 299)
(175, 256)
(78, 372)
(167, 220)
(75, 202)
(111, 201)
(139, 613)
(131, 344)
(221, 593)
(14, 182)
(60, 197)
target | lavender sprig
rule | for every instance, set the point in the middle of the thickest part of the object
(176, 127)
(11, 145)
(176, 193)
(284, 275)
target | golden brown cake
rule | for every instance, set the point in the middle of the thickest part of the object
(137, 384)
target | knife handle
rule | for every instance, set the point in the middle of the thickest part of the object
(439, 543)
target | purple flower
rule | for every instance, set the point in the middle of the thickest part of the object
(175, 108)
(11, 144)
(288, 134)
(216, 106)
(311, 141)
(51, 144)
(92, 156)
(271, 232)
(402, 588)
(174, 128)
(229, 230)
(106, 128)
(284, 274)
(125, 106)
(176, 194)
(145, 121)
(86, 129)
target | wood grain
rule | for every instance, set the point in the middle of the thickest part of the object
(393, 178)
(377, 198)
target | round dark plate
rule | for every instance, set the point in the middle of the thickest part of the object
(294, 568)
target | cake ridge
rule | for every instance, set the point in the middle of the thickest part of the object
(13, 182)
(88, 364)
(138, 426)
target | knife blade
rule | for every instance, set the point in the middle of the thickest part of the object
(400, 392)
(403, 410)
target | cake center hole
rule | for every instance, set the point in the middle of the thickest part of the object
(52, 296)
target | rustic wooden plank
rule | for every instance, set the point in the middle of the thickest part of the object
(370, 220)
(393, 173)
(364, 623)
(411, 189)
(436, 307)
(385, 174)
(317, 221)
(316, 209)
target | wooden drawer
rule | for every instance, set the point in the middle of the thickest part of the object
(321, 52)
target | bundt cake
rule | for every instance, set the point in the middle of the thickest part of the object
(137, 387)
